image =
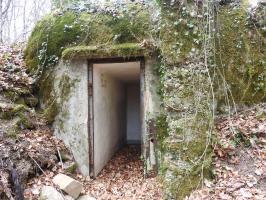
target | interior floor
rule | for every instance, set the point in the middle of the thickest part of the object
(122, 178)
(116, 93)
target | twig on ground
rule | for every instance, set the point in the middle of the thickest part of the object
(37, 164)
(60, 158)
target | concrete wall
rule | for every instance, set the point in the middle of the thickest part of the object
(109, 116)
(152, 109)
(133, 114)
(71, 88)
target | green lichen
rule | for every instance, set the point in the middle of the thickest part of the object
(191, 179)
(15, 95)
(31, 101)
(19, 120)
(24, 122)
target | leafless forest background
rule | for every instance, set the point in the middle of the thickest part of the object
(18, 17)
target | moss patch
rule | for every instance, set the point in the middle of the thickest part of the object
(161, 132)
(125, 50)
(55, 99)
(186, 96)
(8, 112)
(241, 57)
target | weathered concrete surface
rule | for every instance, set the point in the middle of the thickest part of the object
(68, 185)
(152, 109)
(50, 193)
(71, 123)
(109, 115)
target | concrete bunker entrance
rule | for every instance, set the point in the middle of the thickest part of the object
(115, 110)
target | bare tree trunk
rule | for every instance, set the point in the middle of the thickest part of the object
(3, 16)
(24, 21)
(17, 17)
(1, 21)
(14, 23)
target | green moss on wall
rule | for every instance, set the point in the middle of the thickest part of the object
(241, 57)
(55, 99)
(235, 67)
(161, 131)
(186, 97)
(48, 39)
(180, 34)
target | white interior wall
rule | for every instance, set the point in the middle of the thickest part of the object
(133, 114)
(110, 108)
(109, 116)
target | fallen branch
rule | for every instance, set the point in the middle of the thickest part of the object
(60, 158)
(37, 164)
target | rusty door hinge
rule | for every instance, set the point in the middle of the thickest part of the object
(90, 89)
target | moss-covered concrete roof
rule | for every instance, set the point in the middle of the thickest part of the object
(125, 50)
(86, 31)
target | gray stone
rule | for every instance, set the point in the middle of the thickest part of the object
(68, 185)
(69, 198)
(86, 197)
(50, 193)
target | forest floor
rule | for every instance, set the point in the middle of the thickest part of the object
(240, 158)
(121, 179)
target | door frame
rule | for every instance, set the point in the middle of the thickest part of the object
(90, 63)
